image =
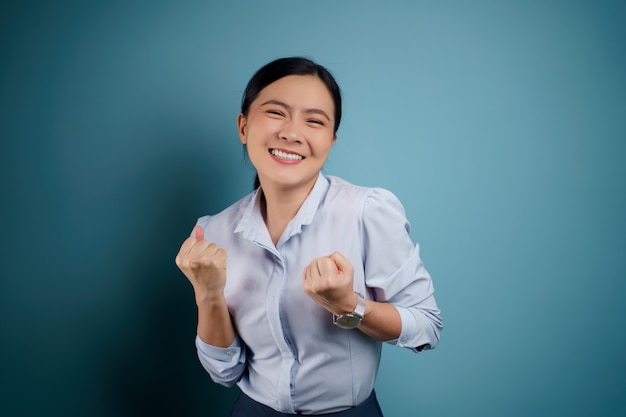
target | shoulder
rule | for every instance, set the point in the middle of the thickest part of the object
(368, 198)
(377, 210)
(230, 216)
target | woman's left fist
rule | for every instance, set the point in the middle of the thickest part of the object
(329, 281)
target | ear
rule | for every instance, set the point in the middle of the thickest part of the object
(334, 139)
(242, 125)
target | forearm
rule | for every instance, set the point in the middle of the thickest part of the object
(381, 321)
(215, 326)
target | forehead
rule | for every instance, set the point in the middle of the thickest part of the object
(299, 90)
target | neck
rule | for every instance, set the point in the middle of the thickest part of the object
(280, 205)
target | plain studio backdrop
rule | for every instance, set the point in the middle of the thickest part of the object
(499, 124)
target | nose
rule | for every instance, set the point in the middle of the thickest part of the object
(291, 131)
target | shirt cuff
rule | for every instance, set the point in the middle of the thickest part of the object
(224, 365)
(223, 356)
(413, 335)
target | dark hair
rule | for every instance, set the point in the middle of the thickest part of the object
(283, 67)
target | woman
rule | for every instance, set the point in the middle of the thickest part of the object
(319, 272)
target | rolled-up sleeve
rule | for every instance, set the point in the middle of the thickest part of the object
(395, 272)
(224, 365)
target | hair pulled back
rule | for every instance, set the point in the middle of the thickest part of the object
(284, 67)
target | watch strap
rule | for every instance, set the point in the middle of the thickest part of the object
(359, 310)
(354, 319)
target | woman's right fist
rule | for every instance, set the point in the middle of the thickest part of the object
(203, 263)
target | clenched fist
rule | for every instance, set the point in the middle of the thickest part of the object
(203, 263)
(329, 282)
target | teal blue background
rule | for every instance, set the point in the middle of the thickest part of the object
(499, 124)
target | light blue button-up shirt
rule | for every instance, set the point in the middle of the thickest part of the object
(288, 353)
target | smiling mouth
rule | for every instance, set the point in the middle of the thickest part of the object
(286, 156)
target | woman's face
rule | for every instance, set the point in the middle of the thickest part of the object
(289, 131)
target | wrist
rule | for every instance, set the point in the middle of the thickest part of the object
(209, 297)
(349, 305)
(355, 317)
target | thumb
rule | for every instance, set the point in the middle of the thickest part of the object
(343, 264)
(198, 233)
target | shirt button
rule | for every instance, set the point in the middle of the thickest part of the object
(230, 353)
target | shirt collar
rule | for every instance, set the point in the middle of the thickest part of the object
(253, 227)
(251, 219)
(305, 215)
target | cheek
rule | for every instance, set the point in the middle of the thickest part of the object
(262, 125)
(323, 143)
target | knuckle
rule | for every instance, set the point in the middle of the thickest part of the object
(182, 262)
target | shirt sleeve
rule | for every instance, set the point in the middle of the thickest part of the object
(224, 365)
(395, 273)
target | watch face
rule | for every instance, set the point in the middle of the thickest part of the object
(348, 321)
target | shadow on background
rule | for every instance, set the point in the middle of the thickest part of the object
(107, 160)
(152, 369)
(102, 322)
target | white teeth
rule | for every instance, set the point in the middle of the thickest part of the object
(284, 155)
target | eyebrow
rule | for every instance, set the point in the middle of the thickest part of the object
(288, 107)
